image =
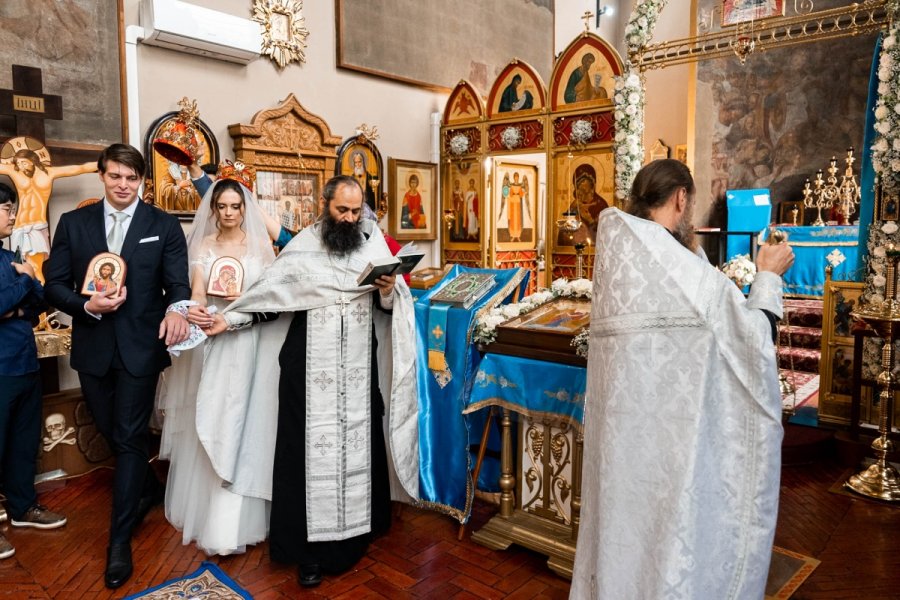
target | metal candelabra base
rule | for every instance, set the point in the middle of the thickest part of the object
(880, 481)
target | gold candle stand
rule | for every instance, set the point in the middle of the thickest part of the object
(881, 480)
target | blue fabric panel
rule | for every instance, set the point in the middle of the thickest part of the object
(445, 434)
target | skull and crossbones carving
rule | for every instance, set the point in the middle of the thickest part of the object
(55, 424)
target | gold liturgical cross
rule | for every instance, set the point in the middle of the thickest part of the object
(437, 332)
(586, 17)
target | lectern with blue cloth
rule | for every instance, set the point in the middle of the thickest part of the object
(748, 210)
(815, 248)
(447, 362)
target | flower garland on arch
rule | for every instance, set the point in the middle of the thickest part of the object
(886, 164)
(486, 325)
(629, 97)
(886, 148)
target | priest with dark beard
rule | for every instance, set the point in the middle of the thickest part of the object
(345, 380)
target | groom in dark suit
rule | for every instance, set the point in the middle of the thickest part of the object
(119, 337)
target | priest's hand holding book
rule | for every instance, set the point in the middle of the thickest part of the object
(385, 284)
(386, 268)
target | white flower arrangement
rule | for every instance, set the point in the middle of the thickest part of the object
(511, 137)
(886, 148)
(880, 235)
(740, 270)
(582, 132)
(581, 342)
(486, 326)
(459, 144)
(629, 98)
(629, 116)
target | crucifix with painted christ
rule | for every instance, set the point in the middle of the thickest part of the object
(26, 161)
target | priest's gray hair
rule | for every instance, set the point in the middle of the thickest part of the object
(654, 185)
(334, 183)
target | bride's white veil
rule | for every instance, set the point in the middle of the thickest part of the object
(205, 228)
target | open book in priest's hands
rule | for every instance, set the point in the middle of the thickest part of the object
(404, 261)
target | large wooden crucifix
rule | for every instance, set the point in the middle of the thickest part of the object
(27, 103)
(26, 161)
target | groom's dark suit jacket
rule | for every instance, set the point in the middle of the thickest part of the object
(155, 254)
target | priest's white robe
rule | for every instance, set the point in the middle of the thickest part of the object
(240, 440)
(682, 424)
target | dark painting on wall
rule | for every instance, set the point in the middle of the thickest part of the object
(76, 45)
(464, 39)
(777, 119)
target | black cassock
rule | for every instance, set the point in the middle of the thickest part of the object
(287, 526)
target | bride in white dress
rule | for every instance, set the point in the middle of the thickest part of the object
(198, 500)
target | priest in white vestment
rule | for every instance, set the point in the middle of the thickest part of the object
(345, 376)
(682, 422)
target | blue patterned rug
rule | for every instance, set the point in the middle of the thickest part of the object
(209, 581)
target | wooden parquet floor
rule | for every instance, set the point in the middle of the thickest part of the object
(856, 540)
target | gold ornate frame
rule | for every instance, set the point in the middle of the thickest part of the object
(399, 172)
(837, 345)
(155, 179)
(288, 140)
(284, 30)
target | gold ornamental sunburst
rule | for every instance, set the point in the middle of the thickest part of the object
(284, 30)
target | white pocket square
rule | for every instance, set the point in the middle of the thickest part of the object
(155, 238)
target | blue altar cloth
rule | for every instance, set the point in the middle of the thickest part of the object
(528, 386)
(812, 246)
(446, 435)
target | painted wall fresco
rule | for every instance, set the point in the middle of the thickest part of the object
(778, 119)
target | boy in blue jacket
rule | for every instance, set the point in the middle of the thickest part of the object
(21, 301)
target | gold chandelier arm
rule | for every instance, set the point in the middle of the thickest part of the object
(834, 23)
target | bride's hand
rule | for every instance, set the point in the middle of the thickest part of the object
(198, 315)
(218, 325)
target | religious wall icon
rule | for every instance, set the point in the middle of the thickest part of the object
(57, 432)
(359, 158)
(515, 194)
(226, 278)
(105, 272)
(173, 142)
(413, 192)
(283, 29)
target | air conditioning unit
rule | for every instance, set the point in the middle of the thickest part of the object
(197, 30)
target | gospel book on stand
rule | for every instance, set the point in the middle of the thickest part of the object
(464, 290)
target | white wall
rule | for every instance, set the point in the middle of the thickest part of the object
(227, 93)
(667, 115)
(569, 24)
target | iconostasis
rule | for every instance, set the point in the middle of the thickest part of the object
(526, 173)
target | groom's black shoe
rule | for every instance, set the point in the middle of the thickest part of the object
(310, 575)
(118, 565)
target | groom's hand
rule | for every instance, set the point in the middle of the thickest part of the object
(106, 302)
(174, 328)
